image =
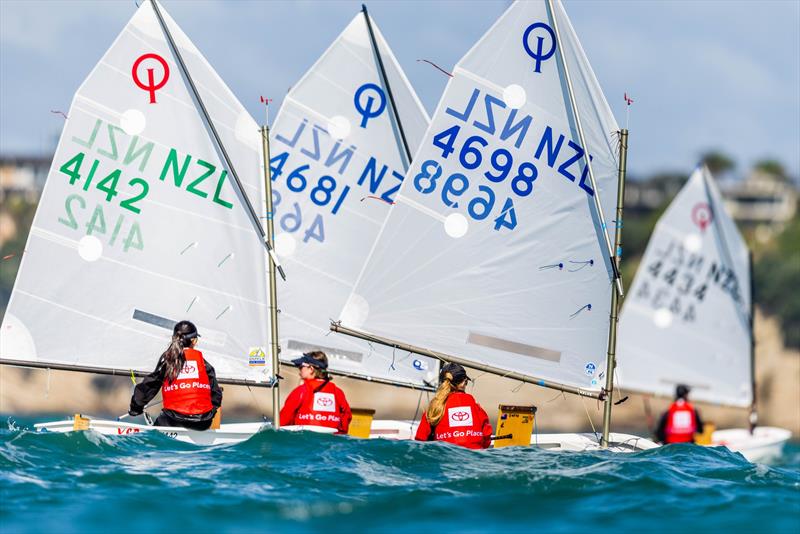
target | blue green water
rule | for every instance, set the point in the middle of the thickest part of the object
(305, 482)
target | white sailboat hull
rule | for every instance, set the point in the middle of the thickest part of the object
(227, 433)
(763, 445)
(591, 442)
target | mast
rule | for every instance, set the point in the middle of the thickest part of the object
(237, 183)
(386, 84)
(611, 356)
(598, 206)
(753, 419)
(338, 328)
(273, 290)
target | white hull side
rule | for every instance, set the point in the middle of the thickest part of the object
(227, 433)
(590, 442)
(763, 445)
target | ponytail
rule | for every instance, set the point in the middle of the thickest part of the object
(183, 335)
(436, 407)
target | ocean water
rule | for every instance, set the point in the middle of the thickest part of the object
(306, 482)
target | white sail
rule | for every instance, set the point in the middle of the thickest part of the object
(686, 319)
(338, 160)
(494, 251)
(139, 225)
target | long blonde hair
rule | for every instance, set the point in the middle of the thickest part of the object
(436, 407)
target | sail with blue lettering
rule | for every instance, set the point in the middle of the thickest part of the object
(494, 251)
(140, 225)
(338, 158)
(686, 319)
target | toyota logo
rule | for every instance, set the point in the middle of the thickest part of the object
(324, 401)
(459, 416)
(188, 368)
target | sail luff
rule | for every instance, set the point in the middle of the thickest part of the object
(753, 417)
(586, 157)
(385, 78)
(338, 328)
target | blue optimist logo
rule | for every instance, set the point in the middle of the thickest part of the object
(590, 368)
(365, 98)
(540, 51)
(419, 365)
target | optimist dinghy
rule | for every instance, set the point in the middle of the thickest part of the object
(144, 221)
(496, 253)
(688, 318)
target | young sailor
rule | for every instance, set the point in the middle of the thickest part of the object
(188, 384)
(453, 415)
(681, 421)
(317, 401)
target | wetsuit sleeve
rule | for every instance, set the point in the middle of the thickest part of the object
(424, 429)
(216, 391)
(148, 388)
(344, 410)
(291, 405)
(487, 429)
(661, 429)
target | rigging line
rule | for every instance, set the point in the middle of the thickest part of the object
(434, 65)
(594, 431)
(395, 112)
(258, 404)
(419, 402)
(233, 174)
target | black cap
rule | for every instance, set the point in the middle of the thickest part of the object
(455, 369)
(310, 361)
(682, 391)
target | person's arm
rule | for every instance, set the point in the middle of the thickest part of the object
(345, 414)
(147, 388)
(216, 391)
(698, 421)
(661, 434)
(291, 405)
(487, 429)
(424, 429)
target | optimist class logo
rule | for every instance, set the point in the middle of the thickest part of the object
(702, 215)
(152, 86)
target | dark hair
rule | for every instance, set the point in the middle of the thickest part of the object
(320, 357)
(681, 392)
(182, 336)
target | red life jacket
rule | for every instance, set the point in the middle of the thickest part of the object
(190, 392)
(464, 422)
(681, 423)
(320, 406)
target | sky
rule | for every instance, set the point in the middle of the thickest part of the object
(704, 75)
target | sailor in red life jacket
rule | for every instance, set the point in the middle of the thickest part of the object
(317, 401)
(453, 415)
(681, 421)
(188, 384)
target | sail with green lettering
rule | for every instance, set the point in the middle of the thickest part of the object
(140, 225)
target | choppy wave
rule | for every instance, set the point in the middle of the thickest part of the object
(286, 481)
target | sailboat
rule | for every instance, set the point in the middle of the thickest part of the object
(496, 253)
(144, 221)
(688, 318)
(340, 146)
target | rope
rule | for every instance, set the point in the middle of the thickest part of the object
(594, 431)
(258, 404)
